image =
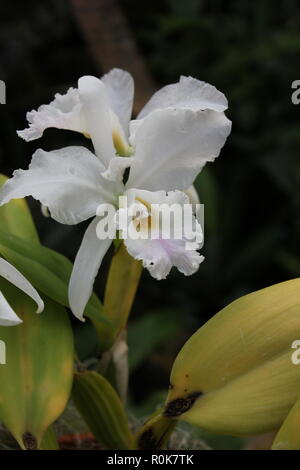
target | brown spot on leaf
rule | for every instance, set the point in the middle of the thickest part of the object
(29, 441)
(147, 440)
(180, 405)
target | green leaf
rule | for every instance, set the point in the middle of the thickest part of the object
(49, 441)
(86, 340)
(123, 279)
(149, 332)
(155, 433)
(288, 436)
(235, 375)
(16, 218)
(47, 270)
(101, 408)
(37, 377)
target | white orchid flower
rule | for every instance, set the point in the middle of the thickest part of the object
(181, 128)
(7, 316)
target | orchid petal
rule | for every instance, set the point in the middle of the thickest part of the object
(194, 199)
(116, 168)
(94, 98)
(159, 256)
(11, 274)
(120, 89)
(172, 146)
(159, 253)
(7, 315)
(188, 93)
(67, 181)
(64, 112)
(192, 194)
(86, 266)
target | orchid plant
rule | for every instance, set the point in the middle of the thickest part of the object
(151, 160)
(136, 168)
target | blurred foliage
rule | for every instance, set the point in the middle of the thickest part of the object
(191, 437)
(250, 51)
(149, 333)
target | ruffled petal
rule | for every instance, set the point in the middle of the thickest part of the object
(64, 112)
(188, 93)
(159, 256)
(67, 181)
(99, 108)
(162, 247)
